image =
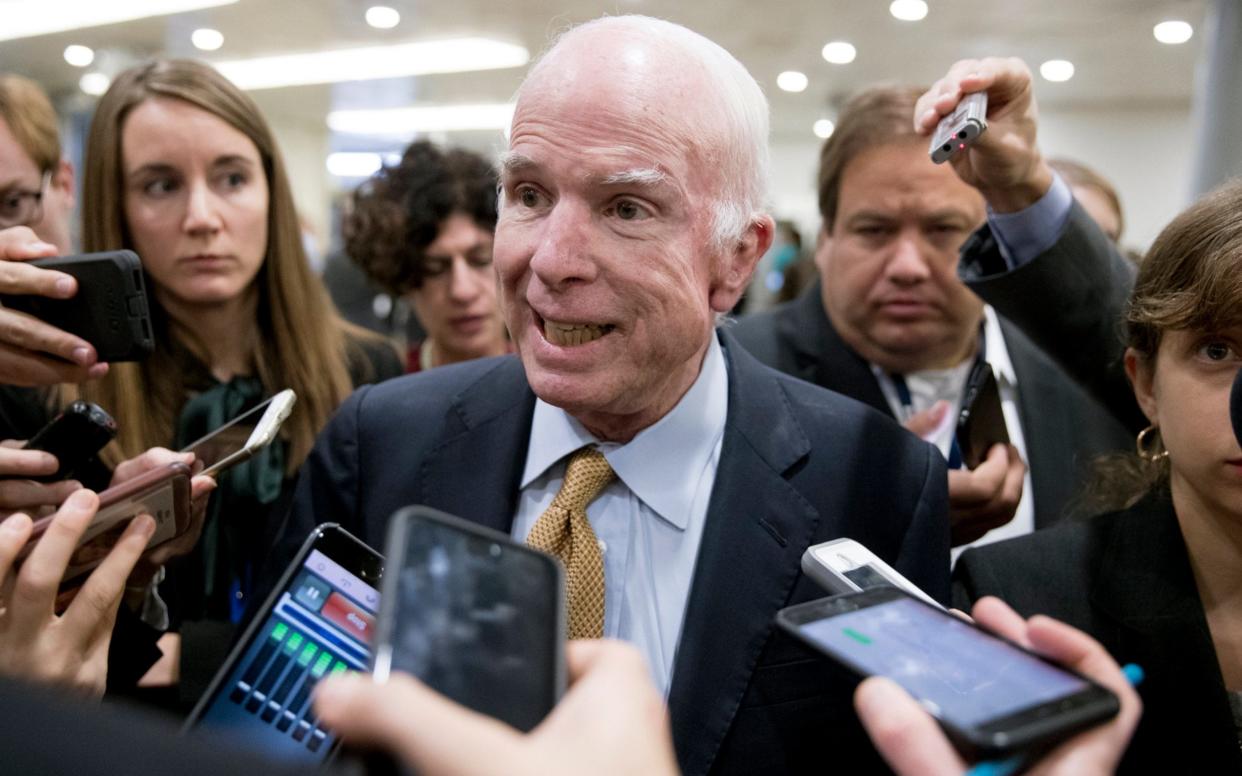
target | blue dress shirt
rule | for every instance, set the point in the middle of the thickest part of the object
(649, 521)
(1023, 235)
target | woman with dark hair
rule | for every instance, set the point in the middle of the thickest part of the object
(1158, 578)
(422, 229)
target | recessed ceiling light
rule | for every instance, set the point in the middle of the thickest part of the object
(1173, 32)
(426, 118)
(908, 10)
(94, 84)
(79, 56)
(823, 129)
(24, 20)
(838, 52)
(382, 17)
(792, 81)
(207, 39)
(1057, 70)
(327, 67)
(349, 164)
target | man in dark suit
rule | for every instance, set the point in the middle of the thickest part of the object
(679, 479)
(891, 325)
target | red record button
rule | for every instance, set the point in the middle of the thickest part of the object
(349, 617)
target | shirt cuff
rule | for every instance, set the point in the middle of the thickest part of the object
(1026, 234)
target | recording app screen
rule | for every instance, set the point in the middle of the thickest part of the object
(321, 625)
(476, 620)
(967, 677)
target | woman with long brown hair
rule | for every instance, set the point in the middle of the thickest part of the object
(182, 168)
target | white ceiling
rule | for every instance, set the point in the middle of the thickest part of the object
(1110, 42)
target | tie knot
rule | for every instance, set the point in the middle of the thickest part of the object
(586, 474)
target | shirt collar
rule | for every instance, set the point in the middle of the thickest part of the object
(997, 354)
(688, 434)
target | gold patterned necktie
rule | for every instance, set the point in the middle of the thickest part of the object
(564, 531)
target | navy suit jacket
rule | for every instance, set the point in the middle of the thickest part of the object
(799, 465)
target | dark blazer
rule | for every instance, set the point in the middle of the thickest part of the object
(1070, 300)
(1062, 426)
(798, 465)
(1125, 578)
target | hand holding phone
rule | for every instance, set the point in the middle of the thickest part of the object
(75, 435)
(981, 421)
(992, 697)
(109, 310)
(69, 649)
(921, 747)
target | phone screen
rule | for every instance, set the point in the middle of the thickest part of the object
(229, 438)
(960, 674)
(475, 617)
(322, 624)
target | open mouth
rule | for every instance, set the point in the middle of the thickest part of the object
(572, 334)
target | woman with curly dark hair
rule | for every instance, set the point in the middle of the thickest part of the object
(422, 229)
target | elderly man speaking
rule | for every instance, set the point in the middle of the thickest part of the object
(677, 478)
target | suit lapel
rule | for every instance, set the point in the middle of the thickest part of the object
(1147, 587)
(476, 472)
(757, 527)
(823, 358)
(1044, 427)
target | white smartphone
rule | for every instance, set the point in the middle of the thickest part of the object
(244, 435)
(845, 566)
(960, 128)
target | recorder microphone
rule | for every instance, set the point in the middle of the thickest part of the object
(1235, 406)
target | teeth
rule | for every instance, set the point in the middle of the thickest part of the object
(570, 334)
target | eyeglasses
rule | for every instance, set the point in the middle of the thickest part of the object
(22, 207)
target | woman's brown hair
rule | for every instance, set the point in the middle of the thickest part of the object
(1191, 279)
(299, 340)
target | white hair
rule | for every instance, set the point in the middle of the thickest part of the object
(743, 157)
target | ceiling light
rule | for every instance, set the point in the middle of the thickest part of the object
(346, 164)
(838, 52)
(94, 84)
(1172, 32)
(908, 10)
(382, 17)
(24, 20)
(426, 118)
(79, 56)
(207, 39)
(823, 129)
(363, 64)
(1057, 70)
(792, 81)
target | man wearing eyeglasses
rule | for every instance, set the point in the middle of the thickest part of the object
(36, 203)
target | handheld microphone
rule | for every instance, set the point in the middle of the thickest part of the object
(1235, 406)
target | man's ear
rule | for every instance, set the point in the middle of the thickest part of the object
(1142, 374)
(823, 249)
(738, 263)
(62, 181)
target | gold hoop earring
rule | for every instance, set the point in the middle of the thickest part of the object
(1152, 453)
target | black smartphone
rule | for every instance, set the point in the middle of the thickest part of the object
(473, 615)
(109, 310)
(981, 422)
(992, 697)
(75, 435)
(319, 621)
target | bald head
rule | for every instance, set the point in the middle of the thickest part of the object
(687, 91)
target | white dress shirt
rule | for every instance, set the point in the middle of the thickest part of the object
(649, 521)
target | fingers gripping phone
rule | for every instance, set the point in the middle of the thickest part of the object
(981, 422)
(474, 615)
(959, 129)
(845, 566)
(319, 621)
(992, 697)
(244, 435)
(80, 431)
(163, 493)
(109, 310)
